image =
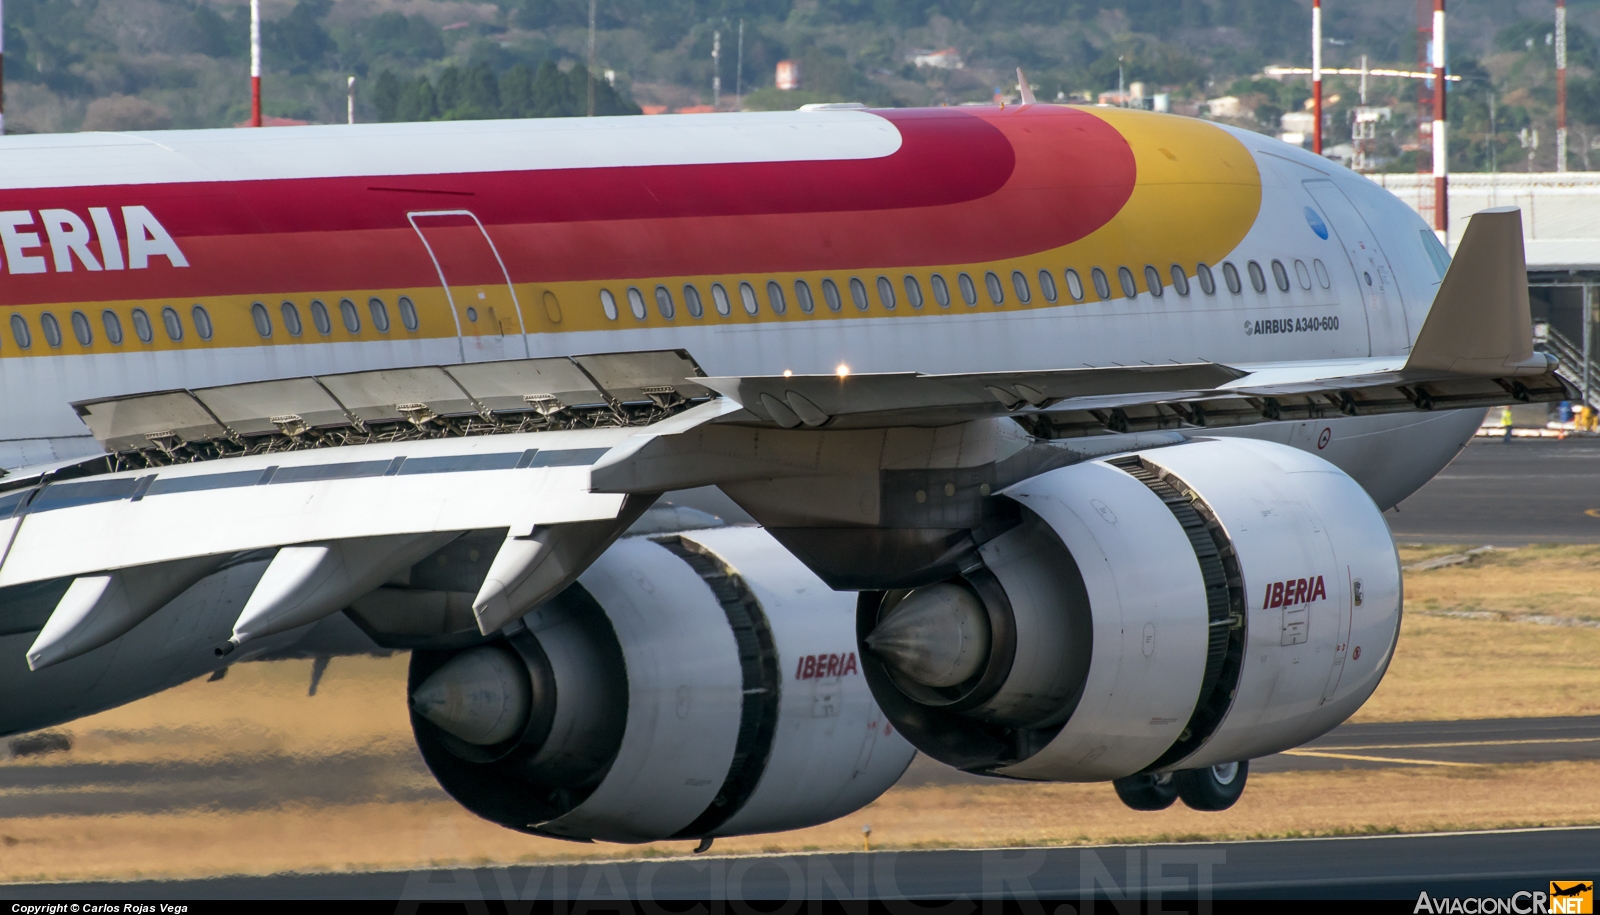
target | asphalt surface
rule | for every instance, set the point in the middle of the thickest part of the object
(1508, 494)
(1497, 864)
(56, 785)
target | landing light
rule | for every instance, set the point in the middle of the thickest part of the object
(788, 373)
(843, 371)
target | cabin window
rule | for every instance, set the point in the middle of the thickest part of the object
(664, 303)
(1230, 275)
(408, 315)
(775, 297)
(1302, 274)
(997, 292)
(352, 318)
(747, 295)
(1258, 278)
(1280, 275)
(380, 314)
(1130, 287)
(141, 326)
(20, 332)
(886, 293)
(1102, 285)
(969, 290)
(81, 329)
(691, 301)
(941, 291)
(720, 300)
(858, 294)
(51, 327)
(202, 321)
(1152, 281)
(113, 325)
(1047, 285)
(636, 303)
(830, 294)
(802, 294)
(1180, 281)
(319, 317)
(263, 321)
(291, 319)
(172, 323)
(1074, 285)
(913, 291)
(1019, 283)
(1322, 273)
(1208, 282)
(608, 303)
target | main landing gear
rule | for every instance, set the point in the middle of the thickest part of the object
(1211, 788)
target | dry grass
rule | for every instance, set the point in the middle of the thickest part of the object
(1557, 580)
(1445, 668)
(382, 836)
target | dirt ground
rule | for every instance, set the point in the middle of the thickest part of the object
(1490, 662)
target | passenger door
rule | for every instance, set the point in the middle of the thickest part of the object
(476, 284)
(1387, 330)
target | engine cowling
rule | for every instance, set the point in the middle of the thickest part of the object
(1168, 609)
(689, 685)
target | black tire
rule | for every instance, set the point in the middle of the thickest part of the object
(1212, 788)
(1146, 791)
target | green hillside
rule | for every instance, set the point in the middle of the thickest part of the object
(149, 64)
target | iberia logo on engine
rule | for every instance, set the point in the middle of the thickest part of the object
(819, 666)
(1294, 591)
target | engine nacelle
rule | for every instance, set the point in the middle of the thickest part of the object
(1169, 609)
(689, 685)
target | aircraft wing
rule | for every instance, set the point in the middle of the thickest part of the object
(354, 479)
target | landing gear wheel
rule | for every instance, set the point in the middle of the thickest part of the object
(1211, 788)
(1146, 791)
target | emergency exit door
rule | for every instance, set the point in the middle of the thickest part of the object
(476, 285)
(1387, 330)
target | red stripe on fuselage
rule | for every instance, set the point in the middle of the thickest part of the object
(965, 186)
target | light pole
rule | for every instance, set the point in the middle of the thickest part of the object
(350, 101)
(2, 69)
(716, 69)
(1316, 75)
(1561, 85)
(255, 63)
(591, 57)
(1441, 144)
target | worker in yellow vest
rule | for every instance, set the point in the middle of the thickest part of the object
(1506, 422)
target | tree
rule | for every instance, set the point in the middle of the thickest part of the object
(516, 92)
(386, 93)
(418, 102)
(300, 36)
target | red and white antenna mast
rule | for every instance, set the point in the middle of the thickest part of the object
(1561, 85)
(1441, 145)
(1316, 75)
(255, 63)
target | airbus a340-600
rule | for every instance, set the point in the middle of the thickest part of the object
(1066, 433)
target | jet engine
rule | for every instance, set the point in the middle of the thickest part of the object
(688, 685)
(1167, 610)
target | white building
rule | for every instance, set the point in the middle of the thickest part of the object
(943, 59)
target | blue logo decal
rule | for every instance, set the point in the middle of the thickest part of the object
(1316, 223)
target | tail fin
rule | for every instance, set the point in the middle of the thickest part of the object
(1024, 90)
(1480, 323)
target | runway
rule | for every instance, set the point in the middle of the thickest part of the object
(1386, 867)
(1508, 494)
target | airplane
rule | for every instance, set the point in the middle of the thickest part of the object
(709, 467)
